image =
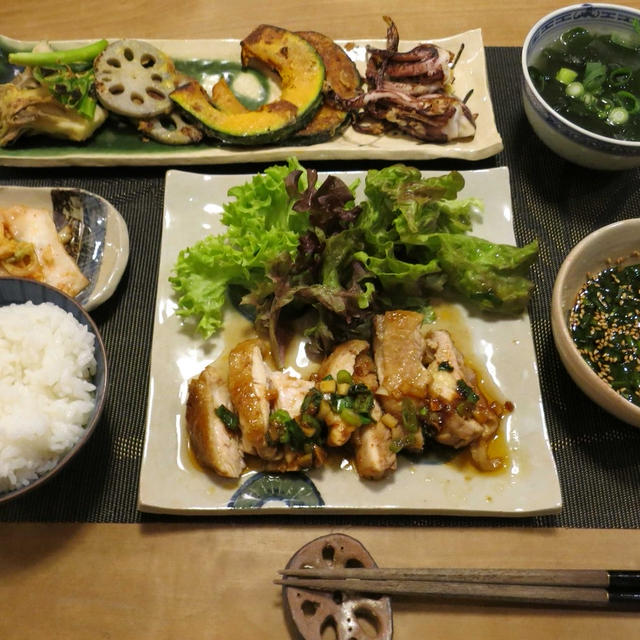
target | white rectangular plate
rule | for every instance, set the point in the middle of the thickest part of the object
(170, 482)
(113, 147)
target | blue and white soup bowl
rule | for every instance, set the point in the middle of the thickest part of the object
(568, 140)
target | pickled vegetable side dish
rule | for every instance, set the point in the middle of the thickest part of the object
(593, 80)
(605, 325)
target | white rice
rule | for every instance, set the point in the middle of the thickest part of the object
(46, 397)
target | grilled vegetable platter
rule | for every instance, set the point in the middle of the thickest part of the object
(275, 92)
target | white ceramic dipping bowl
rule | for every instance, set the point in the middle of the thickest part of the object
(617, 242)
(569, 141)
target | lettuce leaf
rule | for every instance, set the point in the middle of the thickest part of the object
(294, 247)
(261, 225)
(492, 277)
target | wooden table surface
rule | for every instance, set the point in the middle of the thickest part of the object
(197, 580)
(503, 23)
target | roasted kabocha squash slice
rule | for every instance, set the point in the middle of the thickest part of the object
(301, 72)
(223, 98)
(342, 78)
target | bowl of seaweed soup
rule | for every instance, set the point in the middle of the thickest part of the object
(593, 80)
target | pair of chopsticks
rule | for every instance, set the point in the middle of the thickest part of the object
(543, 587)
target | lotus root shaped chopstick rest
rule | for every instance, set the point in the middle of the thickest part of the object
(350, 615)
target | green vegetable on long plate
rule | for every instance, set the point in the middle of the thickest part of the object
(62, 56)
(67, 74)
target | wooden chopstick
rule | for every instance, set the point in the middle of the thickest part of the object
(581, 588)
(618, 580)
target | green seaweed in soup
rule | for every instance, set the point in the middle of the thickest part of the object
(593, 80)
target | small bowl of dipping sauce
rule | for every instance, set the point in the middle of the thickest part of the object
(595, 317)
(581, 91)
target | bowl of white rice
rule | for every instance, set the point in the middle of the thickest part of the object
(53, 378)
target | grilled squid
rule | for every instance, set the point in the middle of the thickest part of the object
(411, 92)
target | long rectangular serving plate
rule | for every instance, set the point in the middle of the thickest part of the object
(122, 145)
(171, 482)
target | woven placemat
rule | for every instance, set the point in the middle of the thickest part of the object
(598, 457)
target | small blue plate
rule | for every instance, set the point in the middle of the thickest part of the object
(100, 238)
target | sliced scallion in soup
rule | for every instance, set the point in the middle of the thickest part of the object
(593, 80)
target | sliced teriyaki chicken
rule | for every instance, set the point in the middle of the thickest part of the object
(399, 346)
(214, 446)
(250, 395)
(290, 392)
(342, 358)
(374, 455)
(338, 431)
(448, 371)
(364, 371)
(36, 226)
(410, 384)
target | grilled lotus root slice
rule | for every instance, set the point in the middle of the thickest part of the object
(134, 79)
(351, 616)
(169, 128)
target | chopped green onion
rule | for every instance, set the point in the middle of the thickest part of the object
(628, 101)
(310, 421)
(66, 56)
(227, 417)
(566, 76)
(311, 402)
(359, 388)
(466, 392)
(343, 376)
(283, 429)
(279, 416)
(350, 417)
(363, 403)
(338, 403)
(618, 116)
(409, 416)
(574, 89)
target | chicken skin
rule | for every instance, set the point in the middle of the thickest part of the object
(249, 390)
(399, 346)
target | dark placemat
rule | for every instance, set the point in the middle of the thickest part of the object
(598, 457)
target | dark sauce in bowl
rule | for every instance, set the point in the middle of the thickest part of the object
(593, 80)
(605, 325)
